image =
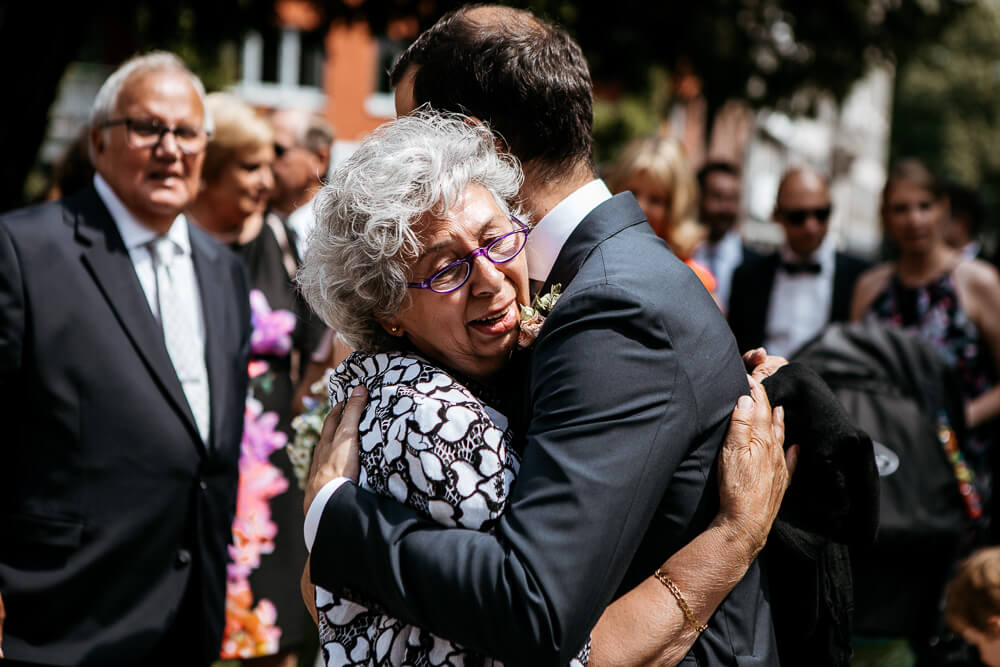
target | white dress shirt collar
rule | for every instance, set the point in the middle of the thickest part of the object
(548, 236)
(134, 234)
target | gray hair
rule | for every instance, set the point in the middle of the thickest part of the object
(106, 101)
(355, 270)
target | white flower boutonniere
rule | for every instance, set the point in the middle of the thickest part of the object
(533, 316)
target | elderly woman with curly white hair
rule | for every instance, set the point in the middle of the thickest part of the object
(417, 261)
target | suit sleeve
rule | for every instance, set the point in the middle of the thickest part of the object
(12, 316)
(610, 424)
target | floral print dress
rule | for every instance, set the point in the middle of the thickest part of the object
(933, 312)
(430, 443)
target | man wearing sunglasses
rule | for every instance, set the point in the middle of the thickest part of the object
(302, 144)
(784, 299)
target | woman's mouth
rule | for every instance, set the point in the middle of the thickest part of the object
(498, 324)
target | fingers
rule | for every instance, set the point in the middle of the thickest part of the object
(309, 593)
(331, 422)
(350, 421)
(791, 459)
(753, 358)
(778, 425)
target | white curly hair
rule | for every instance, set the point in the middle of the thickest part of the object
(355, 271)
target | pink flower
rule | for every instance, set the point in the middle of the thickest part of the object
(272, 330)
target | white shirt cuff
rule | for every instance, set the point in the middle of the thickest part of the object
(315, 512)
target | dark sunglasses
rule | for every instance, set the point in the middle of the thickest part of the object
(798, 216)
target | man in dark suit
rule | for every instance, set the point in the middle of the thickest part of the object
(629, 392)
(783, 300)
(124, 337)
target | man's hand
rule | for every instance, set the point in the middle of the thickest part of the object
(760, 364)
(337, 452)
(309, 593)
(754, 470)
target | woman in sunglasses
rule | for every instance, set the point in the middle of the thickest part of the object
(951, 301)
(417, 260)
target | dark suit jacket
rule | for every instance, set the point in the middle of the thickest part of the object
(633, 379)
(111, 506)
(753, 283)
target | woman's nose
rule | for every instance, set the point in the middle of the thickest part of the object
(486, 277)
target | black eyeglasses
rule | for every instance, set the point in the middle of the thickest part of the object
(499, 251)
(148, 133)
(798, 216)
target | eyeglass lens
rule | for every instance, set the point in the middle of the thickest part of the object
(499, 251)
(148, 133)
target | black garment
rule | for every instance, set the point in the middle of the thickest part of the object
(632, 383)
(112, 508)
(753, 282)
(278, 575)
(831, 504)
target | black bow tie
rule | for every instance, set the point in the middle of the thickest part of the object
(795, 268)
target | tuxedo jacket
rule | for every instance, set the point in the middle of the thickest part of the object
(632, 382)
(753, 284)
(112, 508)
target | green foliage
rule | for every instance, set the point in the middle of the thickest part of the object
(946, 109)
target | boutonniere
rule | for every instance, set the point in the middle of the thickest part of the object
(533, 316)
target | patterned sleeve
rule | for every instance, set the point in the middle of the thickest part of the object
(427, 441)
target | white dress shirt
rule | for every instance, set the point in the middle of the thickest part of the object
(722, 258)
(543, 247)
(136, 236)
(302, 220)
(800, 303)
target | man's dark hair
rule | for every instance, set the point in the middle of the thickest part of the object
(967, 205)
(527, 78)
(716, 166)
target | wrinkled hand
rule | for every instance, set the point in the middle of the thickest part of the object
(754, 469)
(309, 592)
(760, 364)
(337, 452)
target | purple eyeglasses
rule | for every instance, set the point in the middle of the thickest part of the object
(499, 251)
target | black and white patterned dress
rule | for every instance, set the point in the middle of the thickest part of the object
(431, 444)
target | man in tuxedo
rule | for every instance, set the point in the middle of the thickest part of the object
(785, 299)
(628, 394)
(966, 215)
(719, 185)
(124, 339)
(302, 144)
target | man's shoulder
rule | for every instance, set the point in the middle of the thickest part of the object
(28, 220)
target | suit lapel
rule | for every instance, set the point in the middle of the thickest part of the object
(609, 218)
(106, 258)
(843, 284)
(211, 284)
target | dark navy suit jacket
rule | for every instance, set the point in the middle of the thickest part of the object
(112, 508)
(633, 380)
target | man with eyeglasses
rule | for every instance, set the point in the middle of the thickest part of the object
(302, 145)
(784, 299)
(124, 339)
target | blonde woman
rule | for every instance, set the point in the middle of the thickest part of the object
(656, 171)
(264, 617)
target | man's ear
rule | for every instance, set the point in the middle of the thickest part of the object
(98, 138)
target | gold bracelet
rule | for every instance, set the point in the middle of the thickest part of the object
(681, 602)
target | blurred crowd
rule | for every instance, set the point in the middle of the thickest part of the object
(159, 149)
